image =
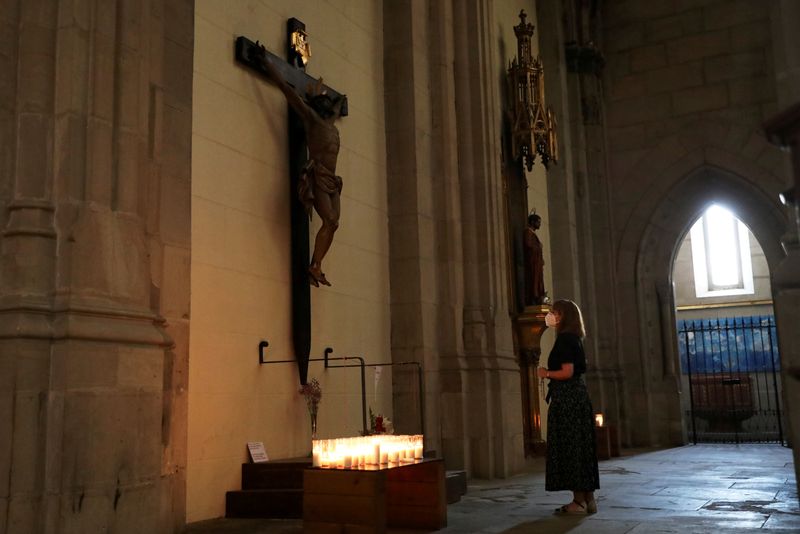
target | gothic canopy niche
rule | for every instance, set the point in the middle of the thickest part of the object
(533, 126)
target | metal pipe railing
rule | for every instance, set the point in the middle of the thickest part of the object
(420, 385)
(420, 382)
(264, 344)
(362, 365)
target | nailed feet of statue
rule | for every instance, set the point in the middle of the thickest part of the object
(316, 276)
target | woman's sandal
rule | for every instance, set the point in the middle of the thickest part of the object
(565, 510)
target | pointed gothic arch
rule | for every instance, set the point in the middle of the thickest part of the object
(686, 184)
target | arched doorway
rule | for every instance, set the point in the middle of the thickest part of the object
(729, 364)
(647, 333)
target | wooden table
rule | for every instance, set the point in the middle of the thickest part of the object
(406, 495)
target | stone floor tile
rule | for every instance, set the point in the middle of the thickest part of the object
(550, 525)
(761, 486)
(785, 522)
(684, 526)
(719, 494)
(604, 526)
(660, 502)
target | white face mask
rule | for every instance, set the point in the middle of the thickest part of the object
(550, 320)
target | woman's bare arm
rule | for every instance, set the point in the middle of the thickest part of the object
(565, 373)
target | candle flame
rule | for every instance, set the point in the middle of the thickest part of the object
(367, 452)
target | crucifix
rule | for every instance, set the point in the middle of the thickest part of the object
(313, 152)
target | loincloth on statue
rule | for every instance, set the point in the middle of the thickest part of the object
(315, 175)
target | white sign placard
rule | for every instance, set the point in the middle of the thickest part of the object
(257, 451)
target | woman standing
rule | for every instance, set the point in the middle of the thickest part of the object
(571, 452)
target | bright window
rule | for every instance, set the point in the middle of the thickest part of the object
(721, 255)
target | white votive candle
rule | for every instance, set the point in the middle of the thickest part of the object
(418, 453)
(377, 458)
(384, 457)
(347, 461)
(315, 462)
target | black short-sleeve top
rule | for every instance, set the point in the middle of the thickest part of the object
(568, 348)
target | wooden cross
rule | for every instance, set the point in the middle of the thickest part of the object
(248, 54)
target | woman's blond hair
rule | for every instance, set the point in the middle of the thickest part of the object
(571, 319)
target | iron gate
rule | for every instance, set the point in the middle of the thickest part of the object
(730, 369)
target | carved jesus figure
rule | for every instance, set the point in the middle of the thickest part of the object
(319, 187)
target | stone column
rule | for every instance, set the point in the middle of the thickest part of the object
(27, 270)
(561, 181)
(421, 323)
(579, 201)
(447, 262)
(784, 130)
(489, 370)
(87, 276)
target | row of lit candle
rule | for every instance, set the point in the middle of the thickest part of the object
(367, 451)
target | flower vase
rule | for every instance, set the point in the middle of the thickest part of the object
(312, 411)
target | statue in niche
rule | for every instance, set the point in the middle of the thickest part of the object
(534, 263)
(319, 187)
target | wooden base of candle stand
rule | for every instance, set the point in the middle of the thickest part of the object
(603, 442)
(613, 437)
(416, 496)
(353, 500)
(344, 500)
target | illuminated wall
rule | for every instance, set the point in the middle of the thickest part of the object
(240, 243)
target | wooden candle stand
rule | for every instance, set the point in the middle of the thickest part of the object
(408, 495)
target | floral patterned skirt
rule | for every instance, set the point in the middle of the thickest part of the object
(571, 448)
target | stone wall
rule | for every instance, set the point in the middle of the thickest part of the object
(94, 265)
(241, 283)
(687, 85)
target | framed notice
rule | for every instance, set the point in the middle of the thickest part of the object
(258, 453)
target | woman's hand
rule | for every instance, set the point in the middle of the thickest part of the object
(541, 372)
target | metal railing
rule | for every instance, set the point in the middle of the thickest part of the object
(362, 365)
(730, 368)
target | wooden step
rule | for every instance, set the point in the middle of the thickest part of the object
(455, 485)
(264, 503)
(280, 474)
